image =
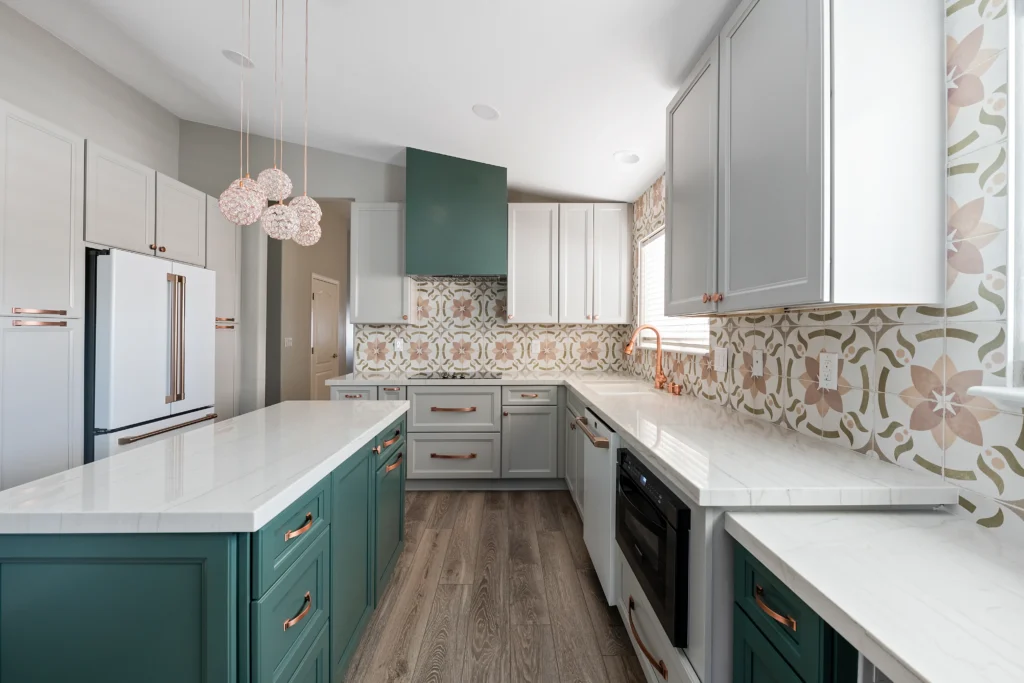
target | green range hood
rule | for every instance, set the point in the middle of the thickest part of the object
(456, 216)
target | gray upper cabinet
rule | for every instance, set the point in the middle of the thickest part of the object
(223, 255)
(180, 221)
(42, 262)
(120, 201)
(692, 174)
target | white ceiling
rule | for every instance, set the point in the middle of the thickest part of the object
(575, 80)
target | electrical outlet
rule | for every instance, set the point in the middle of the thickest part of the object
(399, 346)
(828, 365)
(721, 359)
(287, 342)
(535, 348)
(757, 363)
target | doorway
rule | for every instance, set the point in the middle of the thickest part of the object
(323, 334)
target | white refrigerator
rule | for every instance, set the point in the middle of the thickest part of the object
(154, 350)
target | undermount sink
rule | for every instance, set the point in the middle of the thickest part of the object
(617, 388)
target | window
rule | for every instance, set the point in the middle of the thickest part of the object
(677, 334)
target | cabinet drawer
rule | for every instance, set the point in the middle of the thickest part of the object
(766, 601)
(280, 542)
(391, 392)
(314, 665)
(525, 396)
(287, 620)
(454, 456)
(389, 518)
(353, 393)
(389, 440)
(454, 409)
(754, 660)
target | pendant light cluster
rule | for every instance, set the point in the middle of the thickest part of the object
(246, 200)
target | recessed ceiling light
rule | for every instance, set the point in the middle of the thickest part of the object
(486, 112)
(237, 58)
(626, 157)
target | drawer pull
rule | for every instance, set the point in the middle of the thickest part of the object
(353, 395)
(40, 323)
(598, 441)
(295, 533)
(393, 440)
(788, 622)
(392, 389)
(38, 311)
(435, 409)
(307, 602)
(447, 456)
(395, 466)
(529, 395)
(659, 665)
(224, 320)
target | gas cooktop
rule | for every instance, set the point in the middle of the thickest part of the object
(457, 375)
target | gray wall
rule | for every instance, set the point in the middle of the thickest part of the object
(209, 162)
(48, 78)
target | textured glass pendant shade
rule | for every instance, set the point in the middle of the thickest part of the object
(243, 202)
(309, 211)
(280, 222)
(307, 237)
(275, 183)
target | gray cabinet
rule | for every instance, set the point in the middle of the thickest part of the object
(454, 455)
(180, 221)
(347, 393)
(226, 371)
(529, 442)
(691, 218)
(574, 457)
(391, 393)
(120, 201)
(454, 409)
(223, 256)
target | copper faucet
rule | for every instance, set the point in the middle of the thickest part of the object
(660, 380)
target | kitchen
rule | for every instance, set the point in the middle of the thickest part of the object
(517, 480)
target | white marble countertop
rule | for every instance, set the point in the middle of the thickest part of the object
(376, 379)
(718, 457)
(232, 476)
(926, 596)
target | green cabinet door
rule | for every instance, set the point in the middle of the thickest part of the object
(754, 660)
(314, 666)
(390, 517)
(124, 608)
(352, 577)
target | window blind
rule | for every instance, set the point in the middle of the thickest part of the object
(677, 334)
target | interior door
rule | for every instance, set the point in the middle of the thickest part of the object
(200, 286)
(533, 263)
(324, 326)
(575, 263)
(613, 264)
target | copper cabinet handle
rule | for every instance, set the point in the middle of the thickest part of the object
(224, 320)
(162, 249)
(295, 533)
(395, 466)
(598, 441)
(39, 323)
(595, 316)
(510, 316)
(38, 311)
(659, 665)
(706, 298)
(392, 388)
(788, 622)
(152, 246)
(223, 327)
(529, 395)
(572, 425)
(393, 440)
(353, 395)
(405, 317)
(505, 413)
(307, 602)
(445, 456)
(435, 409)
(124, 441)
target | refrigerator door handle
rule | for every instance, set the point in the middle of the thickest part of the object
(173, 356)
(181, 339)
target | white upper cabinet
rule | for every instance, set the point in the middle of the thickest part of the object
(120, 201)
(380, 291)
(691, 218)
(533, 263)
(180, 221)
(42, 262)
(613, 264)
(223, 255)
(575, 263)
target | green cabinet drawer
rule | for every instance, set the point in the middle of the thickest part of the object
(754, 660)
(787, 622)
(390, 517)
(280, 542)
(314, 667)
(388, 441)
(287, 620)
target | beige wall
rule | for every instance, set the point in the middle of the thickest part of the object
(50, 79)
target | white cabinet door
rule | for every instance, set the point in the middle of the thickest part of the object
(691, 218)
(575, 262)
(613, 264)
(226, 373)
(223, 254)
(529, 442)
(199, 352)
(42, 262)
(533, 263)
(774, 228)
(41, 398)
(120, 201)
(180, 221)
(380, 292)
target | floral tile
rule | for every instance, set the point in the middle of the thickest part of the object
(965, 16)
(853, 426)
(976, 93)
(837, 317)
(988, 458)
(906, 350)
(713, 385)
(374, 349)
(757, 320)
(977, 189)
(463, 350)
(907, 432)
(769, 341)
(801, 407)
(424, 351)
(760, 397)
(881, 319)
(1006, 521)
(853, 344)
(975, 356)
(505, 350)
(976, 279)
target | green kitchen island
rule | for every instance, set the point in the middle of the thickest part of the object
(254, 549)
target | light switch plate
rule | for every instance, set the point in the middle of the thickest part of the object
(757, 363)
(399, 346)
(287, 342)
(721, 358)
(828, 365)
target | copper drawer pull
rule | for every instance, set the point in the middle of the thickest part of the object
(38, 311)
(39, 323)
(392, 389)
(435, 409)
(659, 665)
(307, 602)
(392, 441)
(223, 327)
(353, 395)
(395, 466)
(598, 441)
(788, 622)
(529, 395)
(224, 320)
(295, 533)
(443, 456)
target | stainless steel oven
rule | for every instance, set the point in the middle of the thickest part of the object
(652, 528)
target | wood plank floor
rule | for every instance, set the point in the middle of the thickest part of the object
(494, 587)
